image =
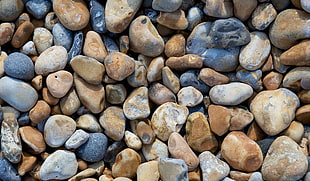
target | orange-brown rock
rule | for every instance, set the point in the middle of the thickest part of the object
(94, 47)
(185, 62)
(272, 80)
(22, 34)
(175, 20)
(303, 114)
(47, 97)
(39, 112)
(298, 55)
(219, 118)
(6, 32)
(27, 163)
(212, 77)
(33, 138)
(175, 46)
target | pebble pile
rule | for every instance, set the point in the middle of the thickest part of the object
(148, 90)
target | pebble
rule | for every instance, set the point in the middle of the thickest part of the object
(212, 168)
(219, 9)
(59, 83)
(219, 118)
(252, 78)
(38, 9)
(10, 10)
(292, 79)
(111, 153)
(6, 32)
(295, 131)
(244, 10)
(263, 16)
(172, 169)
(305, 5)
(165, 6)
(132, 141)
(272, 80)
(94, 149)
(155, 150)
(27, 163)
(179, 149)
(8, 171)
(110, 44)
(256, 176)
(29, 49)
(277, 65)
(119, 14)
(194, 17)
(191, 78)
(294, 163)
(197, 42)
(168, 118)
(78, 138)
(212, 78)
(91, 96)
(175, 20)
(59, 165)
(11, 145)
(97, 17)
(302, 114)
(126, 163)
(160, 94)
(20, 66)
(138, 77)
(51, 60)
(145, 133)
(74, 15)
(42, 38)
(261, 46)
(94, 47)
(274, 110)
(170, 80)
(50, 20)
(116, 94)
(188, 61)
(3, 57)
(154, 69)
(286, 38)
(142, 27)
(33, 138)
(48, 98)
(88, 122)
(77, 45)
(237, 175)
(230, 94)
(226, 33)
(82, 64)
(62, 36)
(241, 152)
(11, 87)
(297, 55)
(113, 122)
(23, 120)
(57, 129)
(240, 118)
(83, 175)
(22, 34)
(148, 171)
(189, 96)
(70, 103)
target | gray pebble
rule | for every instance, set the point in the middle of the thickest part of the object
(62, 36)
(77, 45)
(97, 17)
(19, 65)
(191, 78)
(112, 151)
(194, 17)
(173, 169)
(23, 119)
(7, 171)
(38, 8)
(151, 13)
(197, 41)
(265, 144)
(78, 138)
(253, 78)
(110, 44)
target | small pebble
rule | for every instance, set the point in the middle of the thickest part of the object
(175, 20)
(29, 49)
(191, 78)
(8, 171)
(77, 45)
(59, 83)
(197, 42)
(20, 66)
(132, 141)
(252, 78)
(154, 69)
(126, 163)
(160, 94)
(78, 138)
(88, 122)
(39, 112)
(94, 47)
(148, 171)
(189, 96)
(263, 15)
(83, 175)
(212, 78)
(70, 103)
(194, 17)
(10, 10)
(244, 10)
(170, 80)
(272, 80)
(116, 94)
(295, 131)
(172, 169)
(155, 150)
(33, 138)
(62, 36)
(27, 163)
(164, 6)
(42, 38)
(48, 98)
(145, 133)
(6, 32)
(38, 8)
(139, 76)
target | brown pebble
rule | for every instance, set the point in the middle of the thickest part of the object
(94, 47)
(185, 62)
(70, 103)
(243, 9)
(124, 43)
(6, 32)
(164, 31)
(47, 97)
(240, 176)
(170, 80)
(268, 66)
(27, 163)
(175, 46)
(159, 94)
(212, 77)
(22, 34)
(255, 133)
(297, 55)
(295, 131)
(37, 82)
(272, 80)
(82, 165)
(145, 133)
(154, 69)
(219, 118)
(39, 112)
(33, 138)
(56, 110)
(175, 20)
(303, 114)
(22, 18)
(59, 83)
(126, 163)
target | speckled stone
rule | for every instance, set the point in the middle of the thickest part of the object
(29, 49)
(10, 10)
(39, 112)
(94, 47)
(88, 122)
(22, 34)
(170, 80)
(6, 32)
(155, 150)
(19, 66)
(175, 20)
(78, 138)
(33, 138)
(139, 76)
(189, 96)
(70, 103)
(148, 171)
(263, 16)
(62, 36)
(8, 171)
(160, 94)
(38, 8)
(188, 61)
(219, 9)
(172, 169)
(243, 10)
(77, 45)
(252, 78)
(132, 141)
(97, 17)
(197, 42)
(126, 163)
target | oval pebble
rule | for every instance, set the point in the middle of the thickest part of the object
(59, 83)
(78, 138)
(19, 66)
(62, 36)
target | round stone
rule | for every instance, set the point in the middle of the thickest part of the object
(42, 38)
(132, 141)
(10, 9)
(263, 15)
(6, 32)
(62, 36)
(19, 66)
(94, 47)
(272, 80)
(88, 122)
(33, 138)
(155, 150)
(38, 8)
(126, 163)
(39, 112)
(175, 46)
(170, 80)
(59, 83)
(189, 96)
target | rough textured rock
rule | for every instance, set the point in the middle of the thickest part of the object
(20, 66)
(155, 150)
(42, 38)
(263, 16)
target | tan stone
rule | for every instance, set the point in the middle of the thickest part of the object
(47, 97)
(303, 114)
(160, 94)
(3, 56)
(263, 16)
(219, 118)
(255, 133)
(33, 138)
(132, 141)
(272, 80)
(189, 96)
(170, 80)
(94, 47)
(116, 93)
(88, 122)
(293, 78)
(37, 82)
(175, 20)
(59, 83)
(42, 38)
(154, 69)
(212, 77)
(70, 103)
(185, 62)
(27, 163)
(148, 171)
(240, 176)
(175, 46)
(243, 10)
(304, 96)
(39, 112)
(138, 78)
(219, 8)
(126, 163)
(298, 55)
(295, 131)
(145, 133)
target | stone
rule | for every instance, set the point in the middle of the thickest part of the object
(256, 176)
(122, 179)
(97, 17)
(27, 163)
(198, 133)
(255, 132)
(38, 8)
(59, 165)
(244, 10)
(91, 96)
(10, 87)
(219, 118)
(138, 77)
(48, 98)
(164, 6)
(10, 10)
(77, 45)
(274, 109)
(119, 14)
(168, 118)
(113, 122)
(22, 34)
(230, 94)
(145, 133)
(292, 79)
(263, 15)
(304, 83)
(294, 163)
(11, 145)
(62, 36)
(70, 103)
(78, 138)
(51, 60)
(59, 83)
(297, 55)
(155, 150)
(261, 46)
(237, 175)
(304, 96)
(6, 32)
(148, 171)
(88, 122)
(295, 131)
(160, 94)
(283, 33)
(172, 169)
(302, 114)
(112, 151)
(241, 152)
(74, 15)
(189, 96)
(140, 28)
(154, 69)
(83, 175)
(188, 61)
(170, 80)
(175, 46)
(119, 65)
(251, 77)
(33, 138)
(115, 93)
(240, 118)
(174, 20)
(191, 78)
(82, 64)
(212, 168)
(110, 44)
(20, 66)
(50, 20)
(42, 38)
(124, 43)
(8, 171)
(305, 5)
(197, 42)
(226, 33)
(94, 47)
(132, 141)
(212, 78)
(179, 149)
(94, 149)
(272, 80)
(126, 163)
(194, 17)
(29, 49)
(23, 120)
(3, 57)
(277, 65)
(57, 129)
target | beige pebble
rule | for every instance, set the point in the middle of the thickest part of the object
(145, 133)
(237, 175)
(212, 77)
(148, 171)
(126, 163)
(185, 62)
(160, 94)
(59, 83)
(94, 47)
(124, 43)
(263, 15)
(42, 38)
(47, 97)
(70, 103)
(243, 10)
(175, 46)
(27, 163)
(83, 174)
(33, 138)
(292, 79)
(155, 150)
(297, 55)
(3, 56)
(39, 112)
(170, 80)
(132, 141)
(295, 131)
(154, 69)
(37, 82)
(272, 80)
(189, 96)
(219, 8)
(88, 122)
(175, 20)
(240, 118)
(82, 165)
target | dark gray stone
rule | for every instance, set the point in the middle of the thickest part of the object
(94, 149)
(265, 144)
(97, 18)
(253, 78)
(23, 119)
(77, 45)
(19, 65)
(280, 5)
(198, 108)
(112, 151)
(1, 116)
(110, 44)
(191, 78)
(7, 171)
(62, 36)
(38, 8)
(41, 125)
(152, 14)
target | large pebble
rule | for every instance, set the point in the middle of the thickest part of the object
(62, 36)
(219, 8)
(243, 10)
(172, 169)
(263, 16)
(241, 152)
(132, 140)
(27, 95)
(78, 138)
(230, 94)
(88, 122)
(97, 17)
(33, 138)
(42, 38)
(70, 103)
(197, 42)
(212, 77)
(10, 9)
(274, 109)
(160, 94)
(59, 83)
(148, 171)
(126, 163)
(189, 96)
(293, 78)
(297, 55)
(8, 171)
(175, 20)
(165, 6)
(39, 112)
(38, 8)
(6, 32)
(59, 165)
(57, 129)
(155, 150)
(94, 47)
(22, 34)
(51, 60)
(305, 5)
(284, 161)
(144, 38)
(19, 66)
(188, 61)
(74, 15)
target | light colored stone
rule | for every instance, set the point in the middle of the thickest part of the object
(263, 15)
(148, 171)
(138, 77)
(295, 131)
(132, 141)
(219, 8)
(59, 83)
(305, 5)
(94, 47)
(155, 150)
(37, 82)
(88, 122)
(175, 20)
(240, 118)
(3, 56)
(33, 138)
(83, 175)
(126, 163)
(42, 38)
(243, 10)
(78, 138)
(172, 169)
(212, 77)
(170, 80)
(154, 69)
(29, 49)
(70, 103)
(189, 96)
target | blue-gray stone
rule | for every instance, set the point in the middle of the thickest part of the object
(253, 78)
(94, 149)
(7, 171)
(38, 8)
(19, 65)
(112, 151)
(198, 108)
(221, 60)
(62, 36)
(194, 17)
(23, 119)
(186, 4)
(173, 169)
(77, 45)
(152, 14)
(197, 41)
(41, 125)
(110, 44)
(264, 144)
(147, 3)
(1, 116)
(97, 18)
(191, 78)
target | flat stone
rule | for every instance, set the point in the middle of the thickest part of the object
(145, 133)
(175, 20)
(272, 80)
(188, 61)
(155, 150)
(20, 66)
(10, 10)
(78, 138)
(139, 76)
(172, 169)
(197, 42)
(189, 96)
(297, 55)
(59, 165)
(154, 69)
(160, 94)
(126, 163)
(33, 138)
(97, 17)
(70, 103)
(148, 171)
(59, 83)
(77, 45)
(219, 9)
(263, 15)
(8, 171)
(212, 77)
(6, 32)
(116, 93)
(113, 121)
(22, 34)
(83, 175)
(27, 163)
(240, 118)
(88, 122)
(94, 47)
(294, 163)
(42, 38)
(165, 6)
(274, 109)
(132, 141)
(244, 10)
(62, 36)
